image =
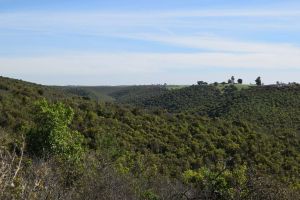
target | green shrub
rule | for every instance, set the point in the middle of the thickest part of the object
(221, 184)
(51, 135)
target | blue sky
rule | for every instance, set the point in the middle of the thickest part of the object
(147, 42)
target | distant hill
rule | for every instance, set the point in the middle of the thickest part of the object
(117, 93)
(264, 105)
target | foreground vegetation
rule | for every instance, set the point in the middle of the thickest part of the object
(197, 142)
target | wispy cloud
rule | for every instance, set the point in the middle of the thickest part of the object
(200, 30)
(92, 20)
(221, 44)
(136, 63)
(139, 66)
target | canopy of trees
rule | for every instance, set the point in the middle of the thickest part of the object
(198, 142)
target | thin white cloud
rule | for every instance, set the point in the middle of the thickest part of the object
(233, 13)
(220, 44)
(218, 52)
(139, 63)
(155, 26)
(93, 19)
(101, 14)
(141, 67)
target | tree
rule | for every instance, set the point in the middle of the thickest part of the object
(201, 83)
(240, 81)
(220, 184)
(51, 135)
(258, 81)
(232, 79)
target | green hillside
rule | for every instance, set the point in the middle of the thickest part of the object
(198, 143)
(116, 93)
(268, 106)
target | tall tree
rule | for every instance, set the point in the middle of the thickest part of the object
(258, 81)
(232, 79)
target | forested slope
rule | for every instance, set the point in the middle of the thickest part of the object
(125, 94)
(133, 153)
(266, 106)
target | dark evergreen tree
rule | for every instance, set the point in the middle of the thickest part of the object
(232, 79)
(258, 81)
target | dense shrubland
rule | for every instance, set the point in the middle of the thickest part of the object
(219, 145)
(128, 94)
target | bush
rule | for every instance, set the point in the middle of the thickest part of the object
(51, 135)
(220, 184)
